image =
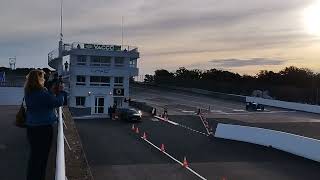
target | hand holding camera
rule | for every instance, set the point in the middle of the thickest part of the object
(57, 88)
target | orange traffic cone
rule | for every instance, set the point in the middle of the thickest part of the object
(185, 162)
(133, 128)
(137, 130)
(144, 136)
(162, 148)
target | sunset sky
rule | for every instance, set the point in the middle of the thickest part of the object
(243, 36)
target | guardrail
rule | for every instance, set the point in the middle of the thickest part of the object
(60, 159)
(11, 84)
(298, 145)
(286, 105)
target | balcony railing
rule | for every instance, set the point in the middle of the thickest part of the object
(53, 55)
(60, 159)
(77, 45)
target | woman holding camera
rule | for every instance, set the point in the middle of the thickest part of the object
(40, 117)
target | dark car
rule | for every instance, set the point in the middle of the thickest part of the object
(128, 114)
(254, 106)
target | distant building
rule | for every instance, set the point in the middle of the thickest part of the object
(96, 75)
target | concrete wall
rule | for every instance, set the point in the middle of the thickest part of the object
(286, 105)
(11, 95)
(298, 145)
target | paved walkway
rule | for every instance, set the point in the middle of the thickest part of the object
(14, 147)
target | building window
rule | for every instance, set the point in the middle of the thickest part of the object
(118, 81)
(133, 62)
(100, 61)
(95, 61)
(119, 61)
(99, 81)
(81, 60)
(81, 80)
(80, 101)
(105, 61)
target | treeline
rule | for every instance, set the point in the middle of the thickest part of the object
(21, 71)
(289, 84)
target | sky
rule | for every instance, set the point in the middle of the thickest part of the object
(242, 36)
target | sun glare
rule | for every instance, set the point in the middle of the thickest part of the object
(312, 18)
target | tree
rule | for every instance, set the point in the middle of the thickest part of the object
(219, 75)
(268, 77)
(289, 84)
(148, 78)
(163, 76)
(183, 74)
(298, 77)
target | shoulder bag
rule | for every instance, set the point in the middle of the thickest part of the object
(21, 116)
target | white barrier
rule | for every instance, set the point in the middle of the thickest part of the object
(286, 105)
(11, 95)
(60, 159)
(302, 146)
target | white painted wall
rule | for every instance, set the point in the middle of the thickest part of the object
(11, 95)
(298, 145)
(96, 91)
(284, 104)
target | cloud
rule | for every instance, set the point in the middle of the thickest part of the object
(161, 29)
(233, 63)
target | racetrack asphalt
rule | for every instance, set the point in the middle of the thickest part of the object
(115, 152)
(14, 148)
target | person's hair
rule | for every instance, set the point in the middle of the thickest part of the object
(33, 81)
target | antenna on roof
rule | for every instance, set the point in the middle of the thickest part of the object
(61, 35)
(122, 32)
(61, 6)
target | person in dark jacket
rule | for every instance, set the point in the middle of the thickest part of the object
(110, 112)
(40, 117)
(57, 81)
